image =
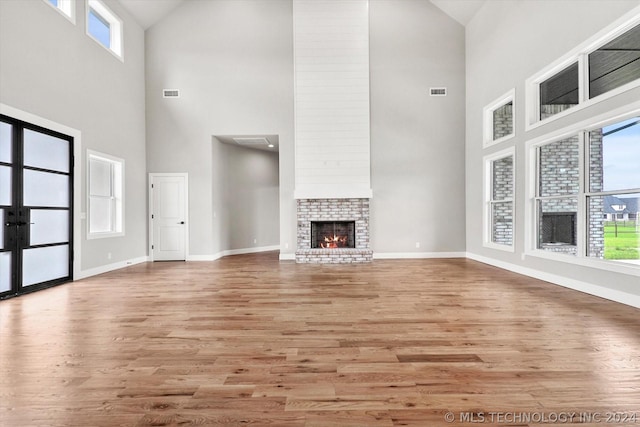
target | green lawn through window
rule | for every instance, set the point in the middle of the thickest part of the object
(621, 240)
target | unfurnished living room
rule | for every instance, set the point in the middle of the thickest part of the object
(319, 212)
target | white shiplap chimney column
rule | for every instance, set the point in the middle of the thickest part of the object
(332, 137)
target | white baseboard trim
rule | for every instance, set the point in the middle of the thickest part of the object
(203, 257)
(577, 285)
(83, 274)
(233, 252)
(417, 255)
(251, 250)
(287, 257)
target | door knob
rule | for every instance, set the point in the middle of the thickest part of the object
(181, 222)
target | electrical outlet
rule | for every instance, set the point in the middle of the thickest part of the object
(417, 244)
(108, 255)
(286, 246)
(255, 241)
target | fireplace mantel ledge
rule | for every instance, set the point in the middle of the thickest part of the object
(347, 193)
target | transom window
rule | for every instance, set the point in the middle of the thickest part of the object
(499, 123)
(603, 66)
(105, 27)
(65, 7)
(559, 92)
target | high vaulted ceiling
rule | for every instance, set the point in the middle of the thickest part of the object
(148, 12)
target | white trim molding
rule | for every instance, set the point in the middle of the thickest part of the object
(576, 285)
(230, 252)
(417, 255)
(83, 274)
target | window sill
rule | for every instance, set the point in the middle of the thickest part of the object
(630, 267)
(505, 248)
(92, 236)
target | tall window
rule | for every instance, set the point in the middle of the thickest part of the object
(499, 198)
(105, 27)
(106, 201)
(614, 189)
(587, 192)
(558, 185)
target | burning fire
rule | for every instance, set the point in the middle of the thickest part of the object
(332, 242)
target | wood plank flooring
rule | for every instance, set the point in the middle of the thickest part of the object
(247, 340)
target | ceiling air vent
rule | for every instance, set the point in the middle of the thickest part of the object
(251, 141)
(438, 91)
(170, 93)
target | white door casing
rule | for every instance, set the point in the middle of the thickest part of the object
(168, 214)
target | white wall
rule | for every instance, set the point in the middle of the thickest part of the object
(234, 67)
(232, 61)
(331, 55)
(51, 69)
(417, 141)
(506, 43)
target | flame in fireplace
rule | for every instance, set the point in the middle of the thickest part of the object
(332, 242)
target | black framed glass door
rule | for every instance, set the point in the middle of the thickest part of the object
(36, 207)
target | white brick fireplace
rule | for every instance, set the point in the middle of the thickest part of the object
(339, 210)
(332, 132)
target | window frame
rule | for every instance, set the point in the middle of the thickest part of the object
(66, 8)
(488, 201)
(117, 195)
(581, 257)
(488, 123)
(116, 27)
(580, 54)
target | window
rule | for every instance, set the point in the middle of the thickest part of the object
(586, 192)
(499, 198)
(499, 119)
(105, 27)
(604, 66)
(558, 185)
(614, 188)
(615, 64)
(65, 7)
(559, 92)
(106, 201)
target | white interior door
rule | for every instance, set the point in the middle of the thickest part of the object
(168, 207)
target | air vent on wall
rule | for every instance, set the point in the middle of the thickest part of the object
(171, 93)
(252, 141)
(438, 91)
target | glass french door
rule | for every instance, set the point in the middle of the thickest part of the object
(36, 207)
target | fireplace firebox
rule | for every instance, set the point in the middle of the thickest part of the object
(333, 234)
(559, 228)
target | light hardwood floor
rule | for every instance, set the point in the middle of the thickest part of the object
(247, 340)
